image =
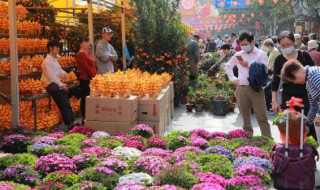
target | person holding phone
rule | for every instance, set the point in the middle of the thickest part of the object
(247, 97)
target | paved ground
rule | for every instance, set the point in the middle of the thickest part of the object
(184, 120)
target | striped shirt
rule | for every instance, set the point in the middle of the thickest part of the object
(313, 89)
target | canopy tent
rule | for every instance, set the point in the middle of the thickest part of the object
(63, 6)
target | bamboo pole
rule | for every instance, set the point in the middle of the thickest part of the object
(123, 30)
(14, 62)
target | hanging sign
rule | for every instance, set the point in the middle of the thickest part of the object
(231, 4)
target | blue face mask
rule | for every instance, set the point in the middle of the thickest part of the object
(288, 50)
(246, 48)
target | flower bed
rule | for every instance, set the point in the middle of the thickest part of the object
(218, 161)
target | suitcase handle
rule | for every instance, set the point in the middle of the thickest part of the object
(294, 102)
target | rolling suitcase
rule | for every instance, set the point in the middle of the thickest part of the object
(294, 165)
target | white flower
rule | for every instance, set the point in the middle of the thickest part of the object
(126, 152)
(100, 134)
(141, 178)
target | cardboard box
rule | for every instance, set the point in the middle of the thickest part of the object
(167, 92)
(112, 110)
(152, 109)
(158, 127)
(171, 90)
(111, 127)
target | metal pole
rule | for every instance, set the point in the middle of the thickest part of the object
(90, 23)
(74, 6)
(14, 62)
(67, 5)
(123, 30)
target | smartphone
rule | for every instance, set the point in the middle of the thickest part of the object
(239, 58)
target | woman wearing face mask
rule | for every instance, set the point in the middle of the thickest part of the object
(286, 42)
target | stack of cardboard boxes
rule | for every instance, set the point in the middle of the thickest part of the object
(120, 115)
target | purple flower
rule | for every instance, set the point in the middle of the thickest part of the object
(244, 181)
(12, 139)
(131, 186)
(46, 140)
(151, 164)
(208, 177)
(222, 139)
(115, 164)
(157, 142)
(199, 141)
(220, 150)
(89, 142)
(5, 186)
(165, 154)
(104, 170)
(97, 150)
(143, 130)
(165, 187)
(134, 144)
(83, 130)
(180, 152)
(239, 133)
(217, 134)
(58, 134)
(262, 163)
(54, 162)
(251, 151)
(246, 169)
(207, 186)
(200, 133)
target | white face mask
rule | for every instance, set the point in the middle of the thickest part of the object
(288, 50)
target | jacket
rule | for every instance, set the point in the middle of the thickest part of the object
(105, 56)
(258, 76)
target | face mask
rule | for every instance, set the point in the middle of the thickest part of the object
(288, 50)
(246, 48)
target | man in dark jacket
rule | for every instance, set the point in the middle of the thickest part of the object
(193, 55)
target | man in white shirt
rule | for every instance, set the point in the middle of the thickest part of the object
(51, 73)
(247, 98)
(219, 42)
(233, 40)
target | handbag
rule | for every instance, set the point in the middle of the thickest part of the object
(280, 93)
(52, 88)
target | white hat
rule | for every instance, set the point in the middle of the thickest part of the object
(312, 44)
(106, 30)
(297, 36)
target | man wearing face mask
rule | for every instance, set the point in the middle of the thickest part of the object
(298, 42)
(247, 98)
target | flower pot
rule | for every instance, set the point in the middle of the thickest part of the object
(208, 106)
(189, 107)
(199, 107)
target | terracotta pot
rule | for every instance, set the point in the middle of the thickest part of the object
(189, 107)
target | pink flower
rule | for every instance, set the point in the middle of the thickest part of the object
(239, 133)
(134, 144)
(165, 154)
(97, 150)
(251, 151)
(151, 164)
(83, 130)
(208, 177)
(207, 186)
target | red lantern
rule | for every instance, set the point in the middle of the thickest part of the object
(261, 2)
(275, 1)
(235, 3)
(261, 14)
(243, 15)
(222, 4)
(252, 14)
(288, 1)
(248, 3)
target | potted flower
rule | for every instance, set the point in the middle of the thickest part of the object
(294, 122)
(200, 99)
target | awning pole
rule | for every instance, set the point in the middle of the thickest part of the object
(14, 62)
(90, 23)
(123, 30)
